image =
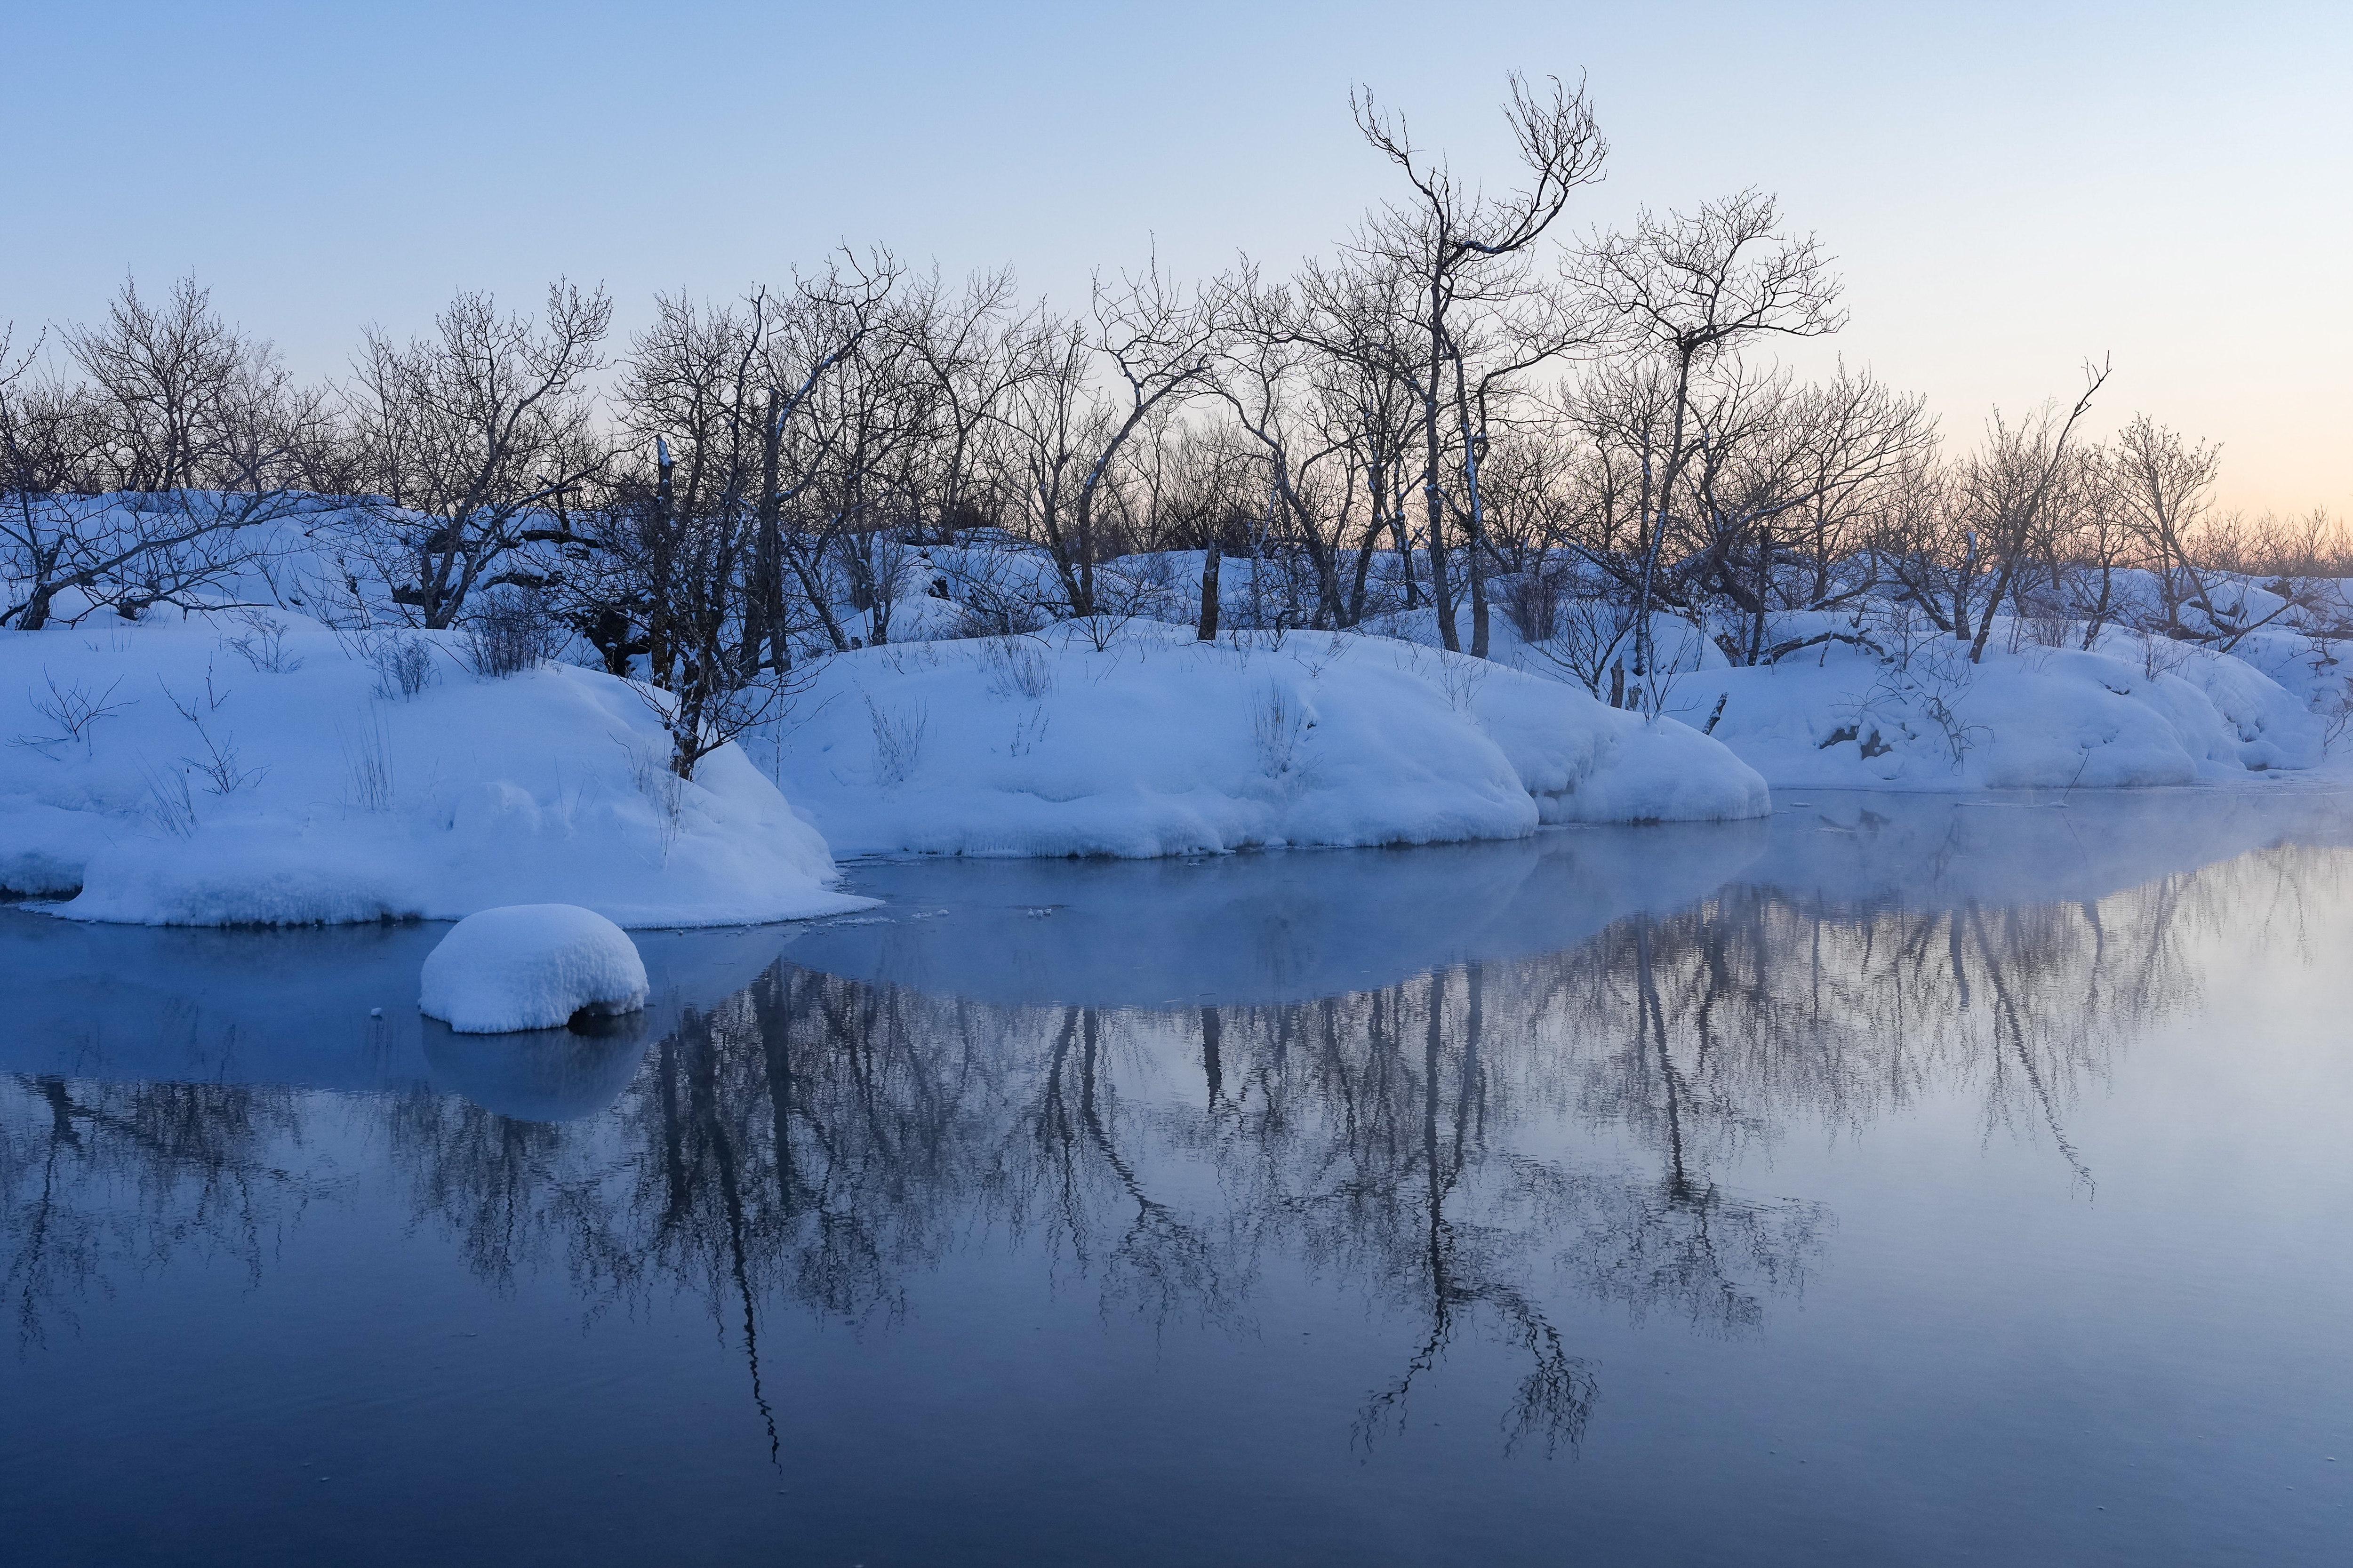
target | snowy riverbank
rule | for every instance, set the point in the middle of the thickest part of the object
(1154, 745)
(214, 771)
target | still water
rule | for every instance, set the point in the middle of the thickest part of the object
(1900, 1181)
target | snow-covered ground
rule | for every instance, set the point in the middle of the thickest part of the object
(2034, 718)
(1911, 712)
(212, 771)
(254, 766)
(1152, 743)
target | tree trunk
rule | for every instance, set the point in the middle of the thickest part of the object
(1210, 561)
(1441, 594)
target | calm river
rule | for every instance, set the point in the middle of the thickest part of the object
(1900, 1181)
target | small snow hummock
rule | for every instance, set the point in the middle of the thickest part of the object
(530, 967)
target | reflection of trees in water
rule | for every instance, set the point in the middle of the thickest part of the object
(100, 1176)
(813, 1140)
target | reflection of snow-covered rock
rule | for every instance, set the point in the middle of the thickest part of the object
(530, 967)
(545, 1075)
(1157, 744)
(214, 786)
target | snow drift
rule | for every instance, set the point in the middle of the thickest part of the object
(2037, 718)
(1155, 744)
(219, 770)
(530, 967)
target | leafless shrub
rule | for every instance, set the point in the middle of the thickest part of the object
(898, 740)
(650, 772)
(1460, 676)
(2159, 654)
(404, 665)
(2336, 712)
(1927, 684)
(73, 709)
(1531, 602)
(263, 646)
(1591, 635)
(220, 765)
(509, 634)
(1028, 732)
(1016, 667)
(169, 805)
(1279, 723)
(367, 764)
(2047, 630)
(1100, 630)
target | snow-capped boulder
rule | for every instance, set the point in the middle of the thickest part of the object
(530, 967)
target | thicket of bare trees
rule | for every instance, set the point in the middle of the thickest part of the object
(1469, 407)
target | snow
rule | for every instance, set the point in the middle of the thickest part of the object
(530, 967)
(1155, 744)
(2114, 716)
(211, 789)
(2137, 710)
(231, 768)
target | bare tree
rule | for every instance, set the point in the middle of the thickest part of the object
(145, 483)
(1690, 290)
(470, 439)
(2013, 489)
(1156, 345)
(1469, 253)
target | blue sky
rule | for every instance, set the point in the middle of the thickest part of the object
(2009, 187)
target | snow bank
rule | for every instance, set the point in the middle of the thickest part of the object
(2040, 718)
(1157, 744)
(211, 771)
(530, 967)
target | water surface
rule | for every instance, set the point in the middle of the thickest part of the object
(1899, 1181)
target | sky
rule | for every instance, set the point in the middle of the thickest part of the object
(2007, 188)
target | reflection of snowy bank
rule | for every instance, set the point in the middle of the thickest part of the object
(294, 1006)
(1247, 929)
(1290, 926)
(1863, 851)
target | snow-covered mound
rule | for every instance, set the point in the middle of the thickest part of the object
(2037, 718)
(1157, 744)
(530, 967)
(220, 770)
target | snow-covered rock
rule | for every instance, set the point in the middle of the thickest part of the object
(162, 774)
(1157, 744)
(530, 967)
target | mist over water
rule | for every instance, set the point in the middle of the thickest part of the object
(1901, 1180)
